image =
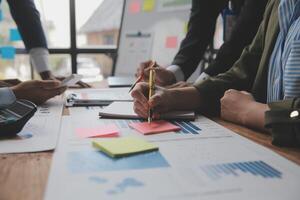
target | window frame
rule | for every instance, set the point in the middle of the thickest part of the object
(73, 50)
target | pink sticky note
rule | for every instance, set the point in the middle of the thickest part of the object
(104, 131)
(171, 42)
(85, 95)
(154, 127)
(134, 7)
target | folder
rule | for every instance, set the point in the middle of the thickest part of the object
(96, 97)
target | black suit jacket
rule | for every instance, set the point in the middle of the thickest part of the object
(201, 29)
(28, 21)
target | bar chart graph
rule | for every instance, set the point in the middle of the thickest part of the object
(186, 127)
(255, 168)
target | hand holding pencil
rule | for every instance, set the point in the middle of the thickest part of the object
(164, 77)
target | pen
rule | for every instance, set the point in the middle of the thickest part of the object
(140, 78)
(151, 88)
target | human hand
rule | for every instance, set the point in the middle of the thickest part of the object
(236, 106)
(47, 75)
(160, 102)
(81, 84)
(38, 91)
(180, 84)
(164, 77)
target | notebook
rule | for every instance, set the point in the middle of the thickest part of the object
(115, 81)
(124, 110)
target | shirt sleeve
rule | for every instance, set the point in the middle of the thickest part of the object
(39, 58)
(7, 97)
(291, 75)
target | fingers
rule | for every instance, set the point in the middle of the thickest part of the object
(140, 92)
(48, 84)
(230, 91)
(140, 109)
(155, 101)
(83, 84)
(142, 67)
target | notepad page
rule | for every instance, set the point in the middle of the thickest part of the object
(124, 110)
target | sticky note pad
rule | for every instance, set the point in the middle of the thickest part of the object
(154, 127)
(118, 147)
(14, 35)
(171, 42)
(148, 5)
(104, 131)
(8, 52)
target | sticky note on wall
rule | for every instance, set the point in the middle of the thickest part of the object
(171, 42)
(8, 52)
(134, 7)
(148, 5)
(185, 28)
(14, 35)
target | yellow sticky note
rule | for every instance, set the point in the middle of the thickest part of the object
(185, 28)
(118, 147)
(148, 5)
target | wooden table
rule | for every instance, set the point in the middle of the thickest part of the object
(24, 176)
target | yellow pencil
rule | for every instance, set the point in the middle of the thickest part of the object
(151, 88)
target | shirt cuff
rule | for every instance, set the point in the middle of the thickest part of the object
(39, 58)
(7, 97)
(203, 76)
(176, 70)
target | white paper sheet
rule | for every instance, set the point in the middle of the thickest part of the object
(124, 110)
(111, 94)
(200, 128)
(181, 169)
(41, 131)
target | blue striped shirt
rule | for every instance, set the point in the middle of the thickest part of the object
(284, 66)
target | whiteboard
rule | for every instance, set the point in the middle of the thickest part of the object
(151, 29)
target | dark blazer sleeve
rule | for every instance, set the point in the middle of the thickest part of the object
(246, 27)
(28, 21)
(201, 28)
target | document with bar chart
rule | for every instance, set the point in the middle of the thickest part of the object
(200, 128)
(209, 168)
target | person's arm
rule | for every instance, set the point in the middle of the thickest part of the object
(201, 29)
(243, 73)
(240, 107)
(243, 32)
(7, 97)
(29, 24)
(38, 91)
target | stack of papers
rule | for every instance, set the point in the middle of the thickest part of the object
(96, 97)
(124, 110)
(125, 146)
